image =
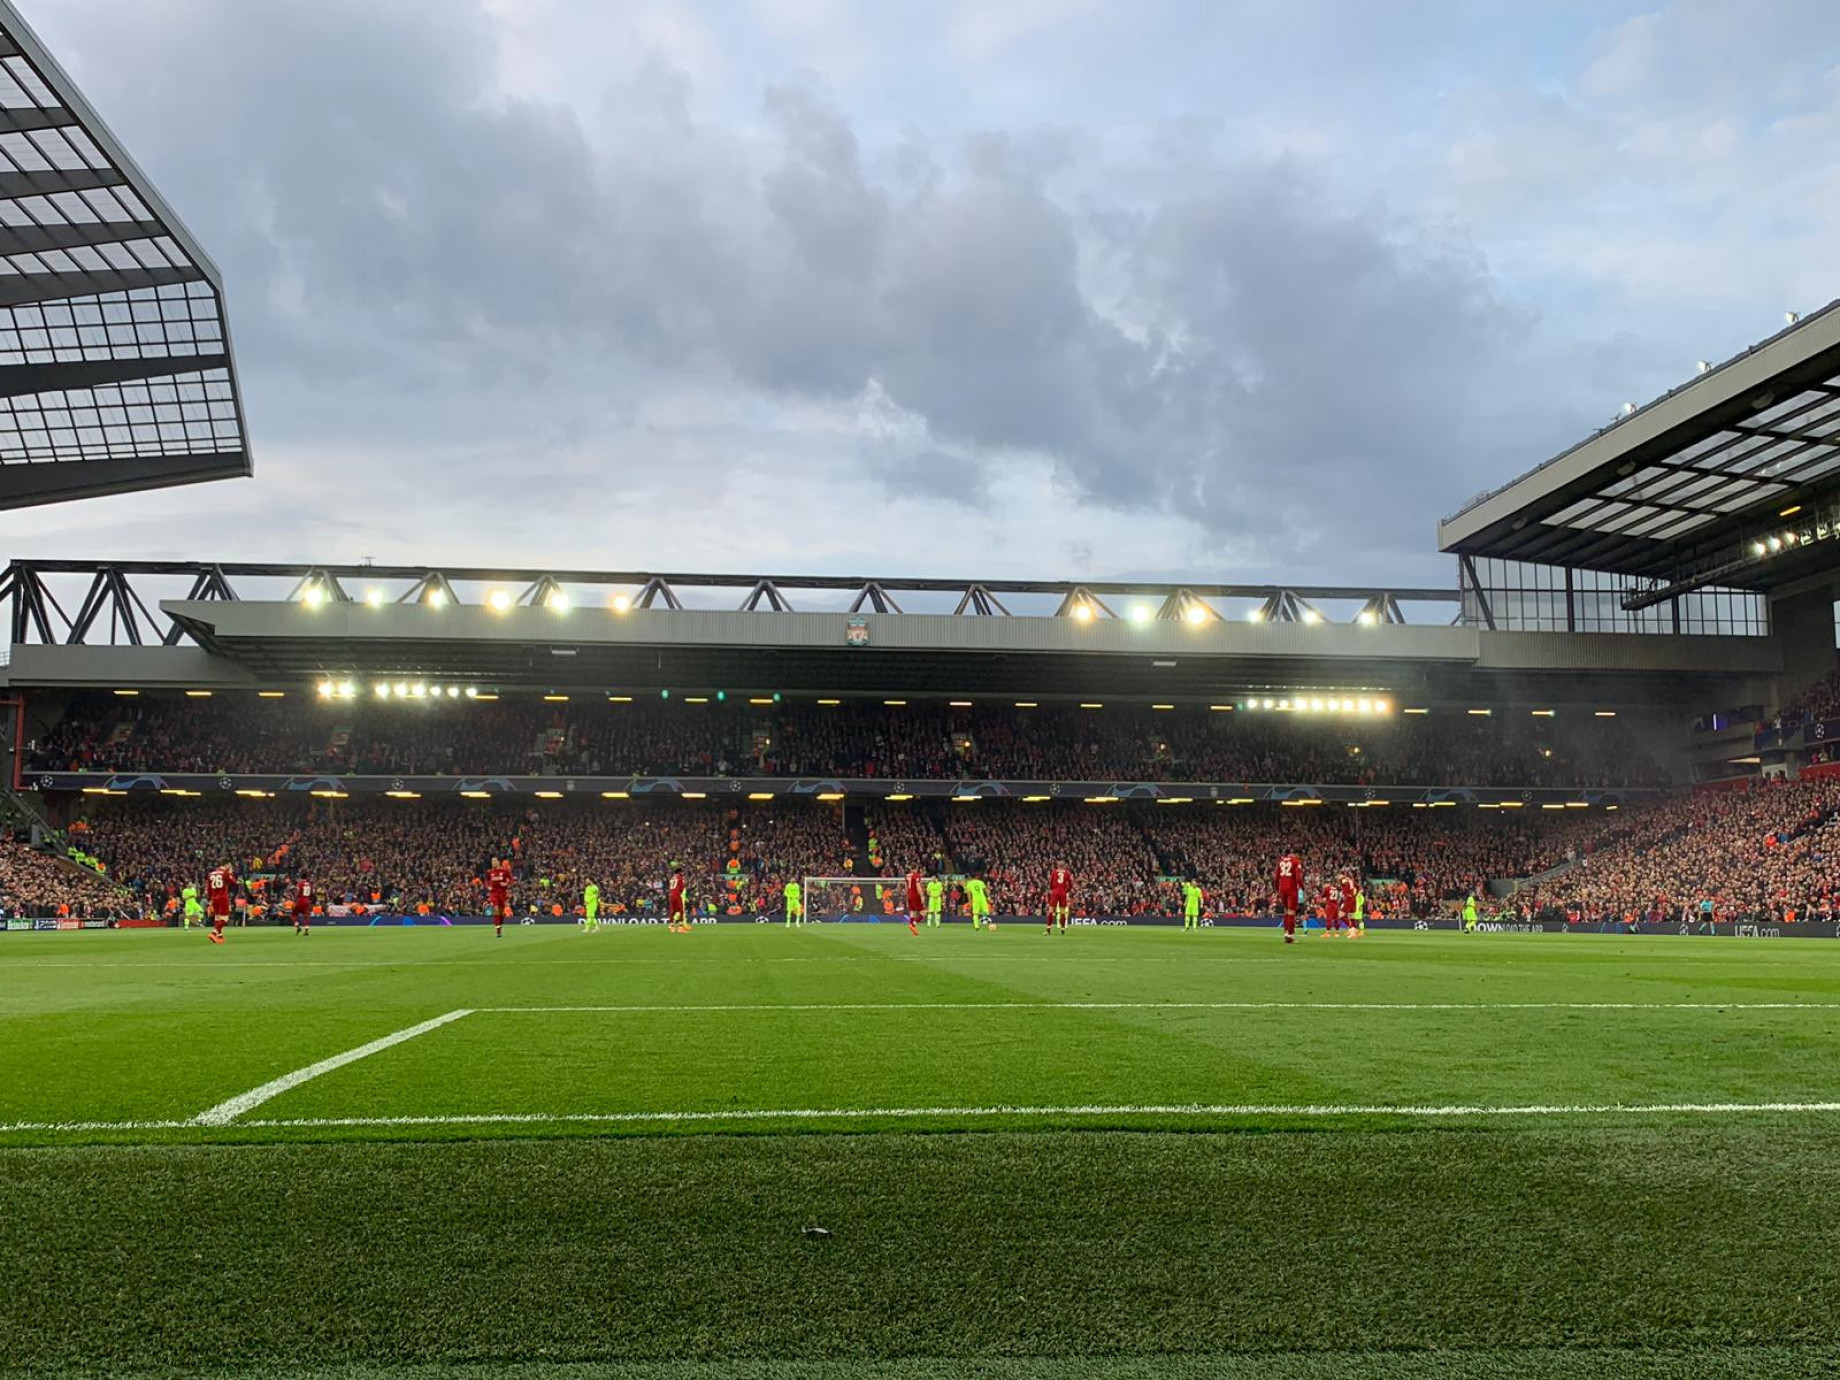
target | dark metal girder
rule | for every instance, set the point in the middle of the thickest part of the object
(23, 485)
(49, 182)
(17, 380)
(17, 289)
(40, 239)
(22, 119)
(840, 583)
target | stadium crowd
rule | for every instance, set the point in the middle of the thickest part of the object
(529, 736)
(1767, 854)
(1771, 852)
(33, 883)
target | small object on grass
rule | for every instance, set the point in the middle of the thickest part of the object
(817, 1233)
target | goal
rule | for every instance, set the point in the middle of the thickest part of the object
(855, 898)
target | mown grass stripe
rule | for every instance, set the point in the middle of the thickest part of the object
(1259, 1109)
(690, 1008)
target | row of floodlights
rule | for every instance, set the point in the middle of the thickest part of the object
(1197, 613)
(402, 690)
(499, 600)
(1315, 704)
(502, 601)
(1788, 539)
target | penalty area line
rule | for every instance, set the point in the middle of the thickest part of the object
(1457, 1111)
(226, 1112)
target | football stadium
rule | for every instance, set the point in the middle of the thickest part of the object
(445, 968)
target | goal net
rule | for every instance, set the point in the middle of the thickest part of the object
(855, 898)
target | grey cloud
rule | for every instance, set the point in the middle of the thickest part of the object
(399, 236)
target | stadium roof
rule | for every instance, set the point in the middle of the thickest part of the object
(129, 624)
(115, 364)
(1686, 489)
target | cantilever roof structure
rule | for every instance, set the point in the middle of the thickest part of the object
(115, 366)
(1688, 490)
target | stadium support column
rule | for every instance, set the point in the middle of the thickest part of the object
(1802, 626)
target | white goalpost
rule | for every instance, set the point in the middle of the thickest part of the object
(856, 898)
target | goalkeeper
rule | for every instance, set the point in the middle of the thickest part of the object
(935, 901)
(1191, 905)
(795, 904)
(193, 911)
(979, 897)
(591, 907)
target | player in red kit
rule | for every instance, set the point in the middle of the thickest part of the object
(1332, 908)
(675, 901)
(1290, 886)
(217, 888)
(303, 906)
(1060, 896)
(1349, 915)
(498, 894)
(916, 902)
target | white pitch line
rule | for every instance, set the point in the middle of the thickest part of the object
(1087, 1110)
(226, 1112)
(1173, 1006)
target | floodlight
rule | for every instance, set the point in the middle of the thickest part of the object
(621, 603)
(1311, 616)
(1197, 614)
(499, 600)
(374, 597)
(314, 596)
(437, 598)
(1083, 613)
(1367, 619)
(558, 601)
(1140, 613)
(381, 690)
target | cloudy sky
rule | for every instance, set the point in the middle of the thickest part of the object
(1236, 289)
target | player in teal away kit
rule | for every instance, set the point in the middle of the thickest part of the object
(935, 901)
(591, 906)
(795, 904)
(1191, 905)
(979, 897)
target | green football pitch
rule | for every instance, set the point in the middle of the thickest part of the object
(847, 1150)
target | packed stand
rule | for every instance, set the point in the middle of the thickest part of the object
(1818, 703)
(1769, 852)
(528, 736)
(33, 883)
